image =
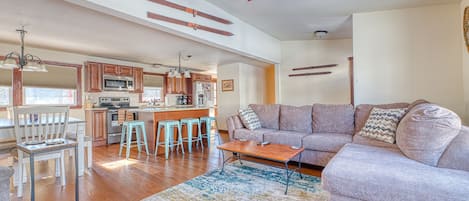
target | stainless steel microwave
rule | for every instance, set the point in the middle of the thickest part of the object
(117, 83)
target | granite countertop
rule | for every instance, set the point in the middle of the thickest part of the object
(95, 108)
(170, 109)
(10, 123)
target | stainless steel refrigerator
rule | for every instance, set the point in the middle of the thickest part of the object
(204, 94)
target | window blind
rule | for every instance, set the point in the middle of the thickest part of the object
(153, 81)
(57, 77)
(6, 77)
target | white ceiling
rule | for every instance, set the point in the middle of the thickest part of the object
(298, 19)
(58, 25)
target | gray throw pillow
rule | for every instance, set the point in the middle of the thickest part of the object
(426, 131)
(249, 118)
(382, 124)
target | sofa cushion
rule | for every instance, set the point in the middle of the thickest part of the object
(456, 155)
(249, 119)
(363, 111)
(382, 124)
(285, 137)
(373, 173)
(296, 118)
(328, 142)
(426, 131)
(268, 115)
(333, 118)
(357, 139)
(255, 135)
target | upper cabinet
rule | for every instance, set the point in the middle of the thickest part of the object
(138, 80)
(117, 70)
(178, 85)
(201, 77)
(94, 77)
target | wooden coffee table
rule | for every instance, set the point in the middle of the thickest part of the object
(274, 152)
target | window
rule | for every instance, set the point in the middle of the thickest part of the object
(152, 88)
(152, 94)
(56, 87)
(6, 77)
(49, 96)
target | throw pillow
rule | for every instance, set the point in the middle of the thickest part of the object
(382, 124)
(426, 131)
(249, 118)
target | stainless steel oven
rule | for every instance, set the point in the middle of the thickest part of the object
(117, 83)
(114, 129)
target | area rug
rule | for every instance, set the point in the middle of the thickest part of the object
(249, 181)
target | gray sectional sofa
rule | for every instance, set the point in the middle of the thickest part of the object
(360, 168)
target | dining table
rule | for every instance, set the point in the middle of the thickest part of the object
(75, 130)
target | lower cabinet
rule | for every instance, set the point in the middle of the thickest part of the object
(96, 125)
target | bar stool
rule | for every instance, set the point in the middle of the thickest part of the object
(208, 125)
(169, 126)
(189, 122)
(127, 130)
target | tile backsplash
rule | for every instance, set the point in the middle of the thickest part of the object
(94, 97)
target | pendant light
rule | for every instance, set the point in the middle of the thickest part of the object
(178, 72)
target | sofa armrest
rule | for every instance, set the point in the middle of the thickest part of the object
(233, 123)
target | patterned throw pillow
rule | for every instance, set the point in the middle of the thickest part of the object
(249, 119)
(382, 124)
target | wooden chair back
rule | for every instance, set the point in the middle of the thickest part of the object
(40, 123)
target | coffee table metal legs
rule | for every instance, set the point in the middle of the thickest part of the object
(288, 173)
(31, 166)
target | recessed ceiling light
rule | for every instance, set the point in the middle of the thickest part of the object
(320, 34)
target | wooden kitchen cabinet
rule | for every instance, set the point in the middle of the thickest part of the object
(117, 70)
(96, 126)
(201, 77)
(93, 77)
(177, 85)
(138, 80)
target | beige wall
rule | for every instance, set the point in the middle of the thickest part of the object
(407, 54)
(465, 64)
(332, 88)
(249, 88)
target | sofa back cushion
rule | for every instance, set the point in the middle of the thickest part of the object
(333, 118)
(296, 118)
(268, 115)
(363, 111)
(426, 131)
(456, 155)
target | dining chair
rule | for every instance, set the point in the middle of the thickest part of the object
(72, 132)
(36, 126)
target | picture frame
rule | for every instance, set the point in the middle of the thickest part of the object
(466, 27)
(227, 85)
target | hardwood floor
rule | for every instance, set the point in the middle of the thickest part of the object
(114, 178)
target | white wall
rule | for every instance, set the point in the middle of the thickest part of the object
(249, 88)
(332, 88)
(465, 64)
(247, 40)
(407, 54)
(80, 59)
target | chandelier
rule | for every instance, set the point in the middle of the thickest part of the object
(25, 62)
(178, 72)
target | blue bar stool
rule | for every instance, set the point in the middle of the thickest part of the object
(127, 129)
(190, 122)
(169, 126)
(208, 125)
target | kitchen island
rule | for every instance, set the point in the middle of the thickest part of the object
(151, 117)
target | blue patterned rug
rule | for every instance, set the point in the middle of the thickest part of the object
(250, 181)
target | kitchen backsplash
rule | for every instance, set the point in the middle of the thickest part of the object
(94, 97)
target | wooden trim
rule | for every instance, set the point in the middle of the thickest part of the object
(309, 74)
(352, 87)
(17, 87)
(79, 102)
(187, 24)
(316, 67)
(192, 11)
